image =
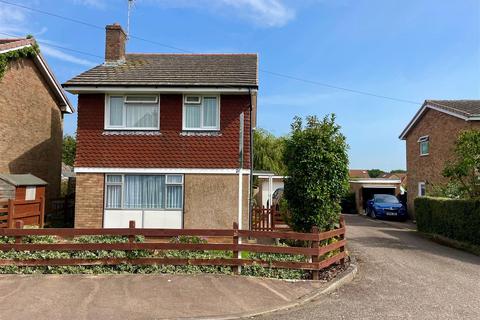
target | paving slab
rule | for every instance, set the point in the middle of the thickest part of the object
(159, 296)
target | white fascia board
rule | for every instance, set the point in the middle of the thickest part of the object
(422, 110)
(159, 170)
(51, 77)
(272, 176)
(377, 181)
(15, 48)
(123, 89)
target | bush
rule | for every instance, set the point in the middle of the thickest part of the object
(317, 168)
(452, 218)
(349, 204)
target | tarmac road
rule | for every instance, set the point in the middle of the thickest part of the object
(401, 275)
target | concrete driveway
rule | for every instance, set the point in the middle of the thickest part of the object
(401, 276)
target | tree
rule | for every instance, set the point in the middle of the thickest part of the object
(463, 171)
(69, 149)
(398, 171)
(268, 151)
(317, 167)
(375, 173)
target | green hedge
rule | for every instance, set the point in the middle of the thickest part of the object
(454, 219)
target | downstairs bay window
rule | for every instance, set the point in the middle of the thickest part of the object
(132, 112)
(144, 191)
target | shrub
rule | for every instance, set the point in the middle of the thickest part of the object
(317, 169)
(453, 218)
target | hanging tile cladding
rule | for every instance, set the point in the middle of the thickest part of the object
(170, 149)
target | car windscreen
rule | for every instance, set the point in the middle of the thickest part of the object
(385, 198)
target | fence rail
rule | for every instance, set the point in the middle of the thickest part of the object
(319, 254)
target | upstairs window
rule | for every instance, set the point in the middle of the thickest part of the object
(132, 112)
(424, 145)
(201, 112)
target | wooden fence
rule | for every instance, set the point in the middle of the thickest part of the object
(318, 255)
(30, 212)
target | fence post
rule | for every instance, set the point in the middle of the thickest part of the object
(11, 210)
(18, 225)
(131, 225)
(42, 211)
(315, 258)
(273, 212)
(236, 269)
(342, 236)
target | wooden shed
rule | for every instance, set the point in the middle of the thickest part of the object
(22, 197)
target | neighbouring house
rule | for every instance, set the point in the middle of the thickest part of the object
(430, 137)
(268, 182)
(402, 176)
(32, 106)
(358, 173)
(164, 139)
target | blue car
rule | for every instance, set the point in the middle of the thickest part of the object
(386, 206)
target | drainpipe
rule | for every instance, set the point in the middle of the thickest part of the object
(250, 194)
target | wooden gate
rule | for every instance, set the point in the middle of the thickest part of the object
(268, 219)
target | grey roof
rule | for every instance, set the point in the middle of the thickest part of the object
(466, 108)
(238, 70)
(22, 179)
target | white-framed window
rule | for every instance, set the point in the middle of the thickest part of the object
(30, 193)
(424, 143)
(132, 112)
(422, 191)
(141, 191)
(201, 112)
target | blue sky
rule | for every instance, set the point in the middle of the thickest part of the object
(407, 49)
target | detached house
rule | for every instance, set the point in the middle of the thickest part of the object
(32, 106)
(164, 139)
(430, 137)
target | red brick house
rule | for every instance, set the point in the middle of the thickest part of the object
(159, 138)
(430, 138)
(32, 106)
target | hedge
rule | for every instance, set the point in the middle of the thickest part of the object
(454, 219)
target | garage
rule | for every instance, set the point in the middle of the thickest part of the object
(364, 190)
(369, 190)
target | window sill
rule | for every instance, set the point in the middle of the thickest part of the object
(131, 133)
(203, 133)
(424, 155)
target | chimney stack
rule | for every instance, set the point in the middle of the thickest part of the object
(115, 39)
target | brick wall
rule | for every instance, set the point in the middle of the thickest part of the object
(169, 149)
(89, 200)
(31, 126)
(442, 130)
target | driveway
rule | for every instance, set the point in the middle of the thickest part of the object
(401, 276)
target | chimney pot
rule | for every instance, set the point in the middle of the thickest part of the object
(115, 39)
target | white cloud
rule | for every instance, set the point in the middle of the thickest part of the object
(12, 20)
(272, 13)
(58, 54)
(98, 4)
(269, 13)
